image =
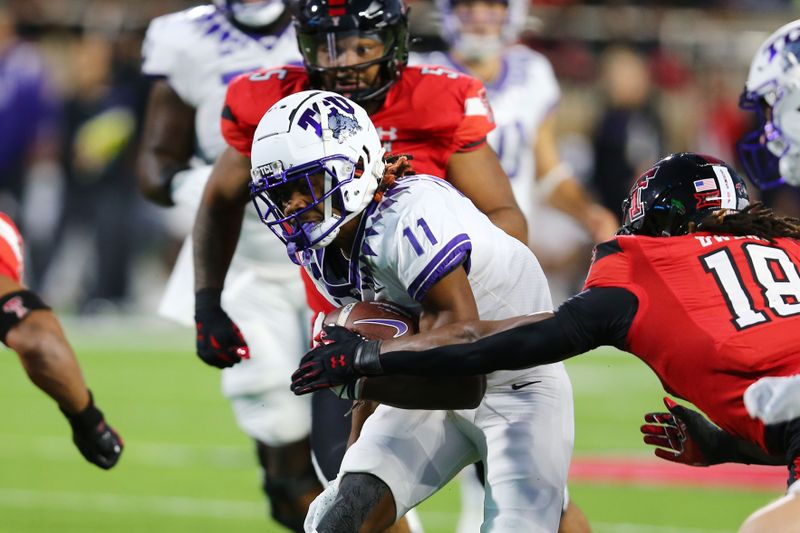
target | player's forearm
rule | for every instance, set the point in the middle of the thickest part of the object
(216, 232)
(570, 198)
(49, 360)
(416, 392)
(168, 139)
(511, 220)
(728, 448)
(156, 171)
(540, 341)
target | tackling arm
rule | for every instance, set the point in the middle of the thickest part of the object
(480, 177)
(597, 316)
(168, 142)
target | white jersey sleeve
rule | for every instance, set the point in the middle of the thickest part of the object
(165, 54)
(422, 242)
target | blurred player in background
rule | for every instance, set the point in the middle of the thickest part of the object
(31, 329)
(701, 285)
(366, 232)
(192, 55)
(358, 49)
(771, 153)
(524, 94)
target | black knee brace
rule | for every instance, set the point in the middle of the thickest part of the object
(284, 493)
(15, 306)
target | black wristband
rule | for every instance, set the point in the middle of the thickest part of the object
(368, 358)
(15, 306)
(208, 298)
(87, 419)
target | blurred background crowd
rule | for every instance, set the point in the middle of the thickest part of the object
(638, 79)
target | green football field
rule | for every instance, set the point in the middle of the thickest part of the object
(186, 467)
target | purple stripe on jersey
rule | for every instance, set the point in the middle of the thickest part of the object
(453, 254)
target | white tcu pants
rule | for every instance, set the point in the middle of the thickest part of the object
(274, 319)
(524, 436)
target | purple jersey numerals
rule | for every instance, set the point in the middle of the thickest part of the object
(412, 239)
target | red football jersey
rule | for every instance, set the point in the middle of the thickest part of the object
(10, 249)
(429, 112)
(716, 313)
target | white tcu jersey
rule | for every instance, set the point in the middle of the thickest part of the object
(199, 52)
(525, 92)
(422, 230)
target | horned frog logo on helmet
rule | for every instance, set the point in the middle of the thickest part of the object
(342, 126)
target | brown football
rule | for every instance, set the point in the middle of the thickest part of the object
(374, 320)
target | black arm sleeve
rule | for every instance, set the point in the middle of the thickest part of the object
(592, 318)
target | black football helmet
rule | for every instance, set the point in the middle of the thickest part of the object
(679, 189)
(327, 30)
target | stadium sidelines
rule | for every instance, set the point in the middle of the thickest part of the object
(233, 510)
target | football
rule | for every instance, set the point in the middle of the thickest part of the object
(374, 320)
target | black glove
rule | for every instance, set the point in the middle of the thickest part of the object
(685, 436)
(219, 341)
(95, 439)
(340, 359)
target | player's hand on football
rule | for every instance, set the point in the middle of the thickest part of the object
(682, 435)
(98, 442)
(334, 362)
(219, 341)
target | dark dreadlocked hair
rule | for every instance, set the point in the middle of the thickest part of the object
(397, 166)
(756, 220)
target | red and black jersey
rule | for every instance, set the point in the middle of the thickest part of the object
(713, 315)
(11, 258)
(430, 112)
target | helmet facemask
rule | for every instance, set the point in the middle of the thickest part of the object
(357, 48)
(316, 224)
(360, 65)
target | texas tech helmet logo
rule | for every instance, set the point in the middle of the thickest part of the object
(636, 209)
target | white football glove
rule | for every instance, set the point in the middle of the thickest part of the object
(774, 399)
